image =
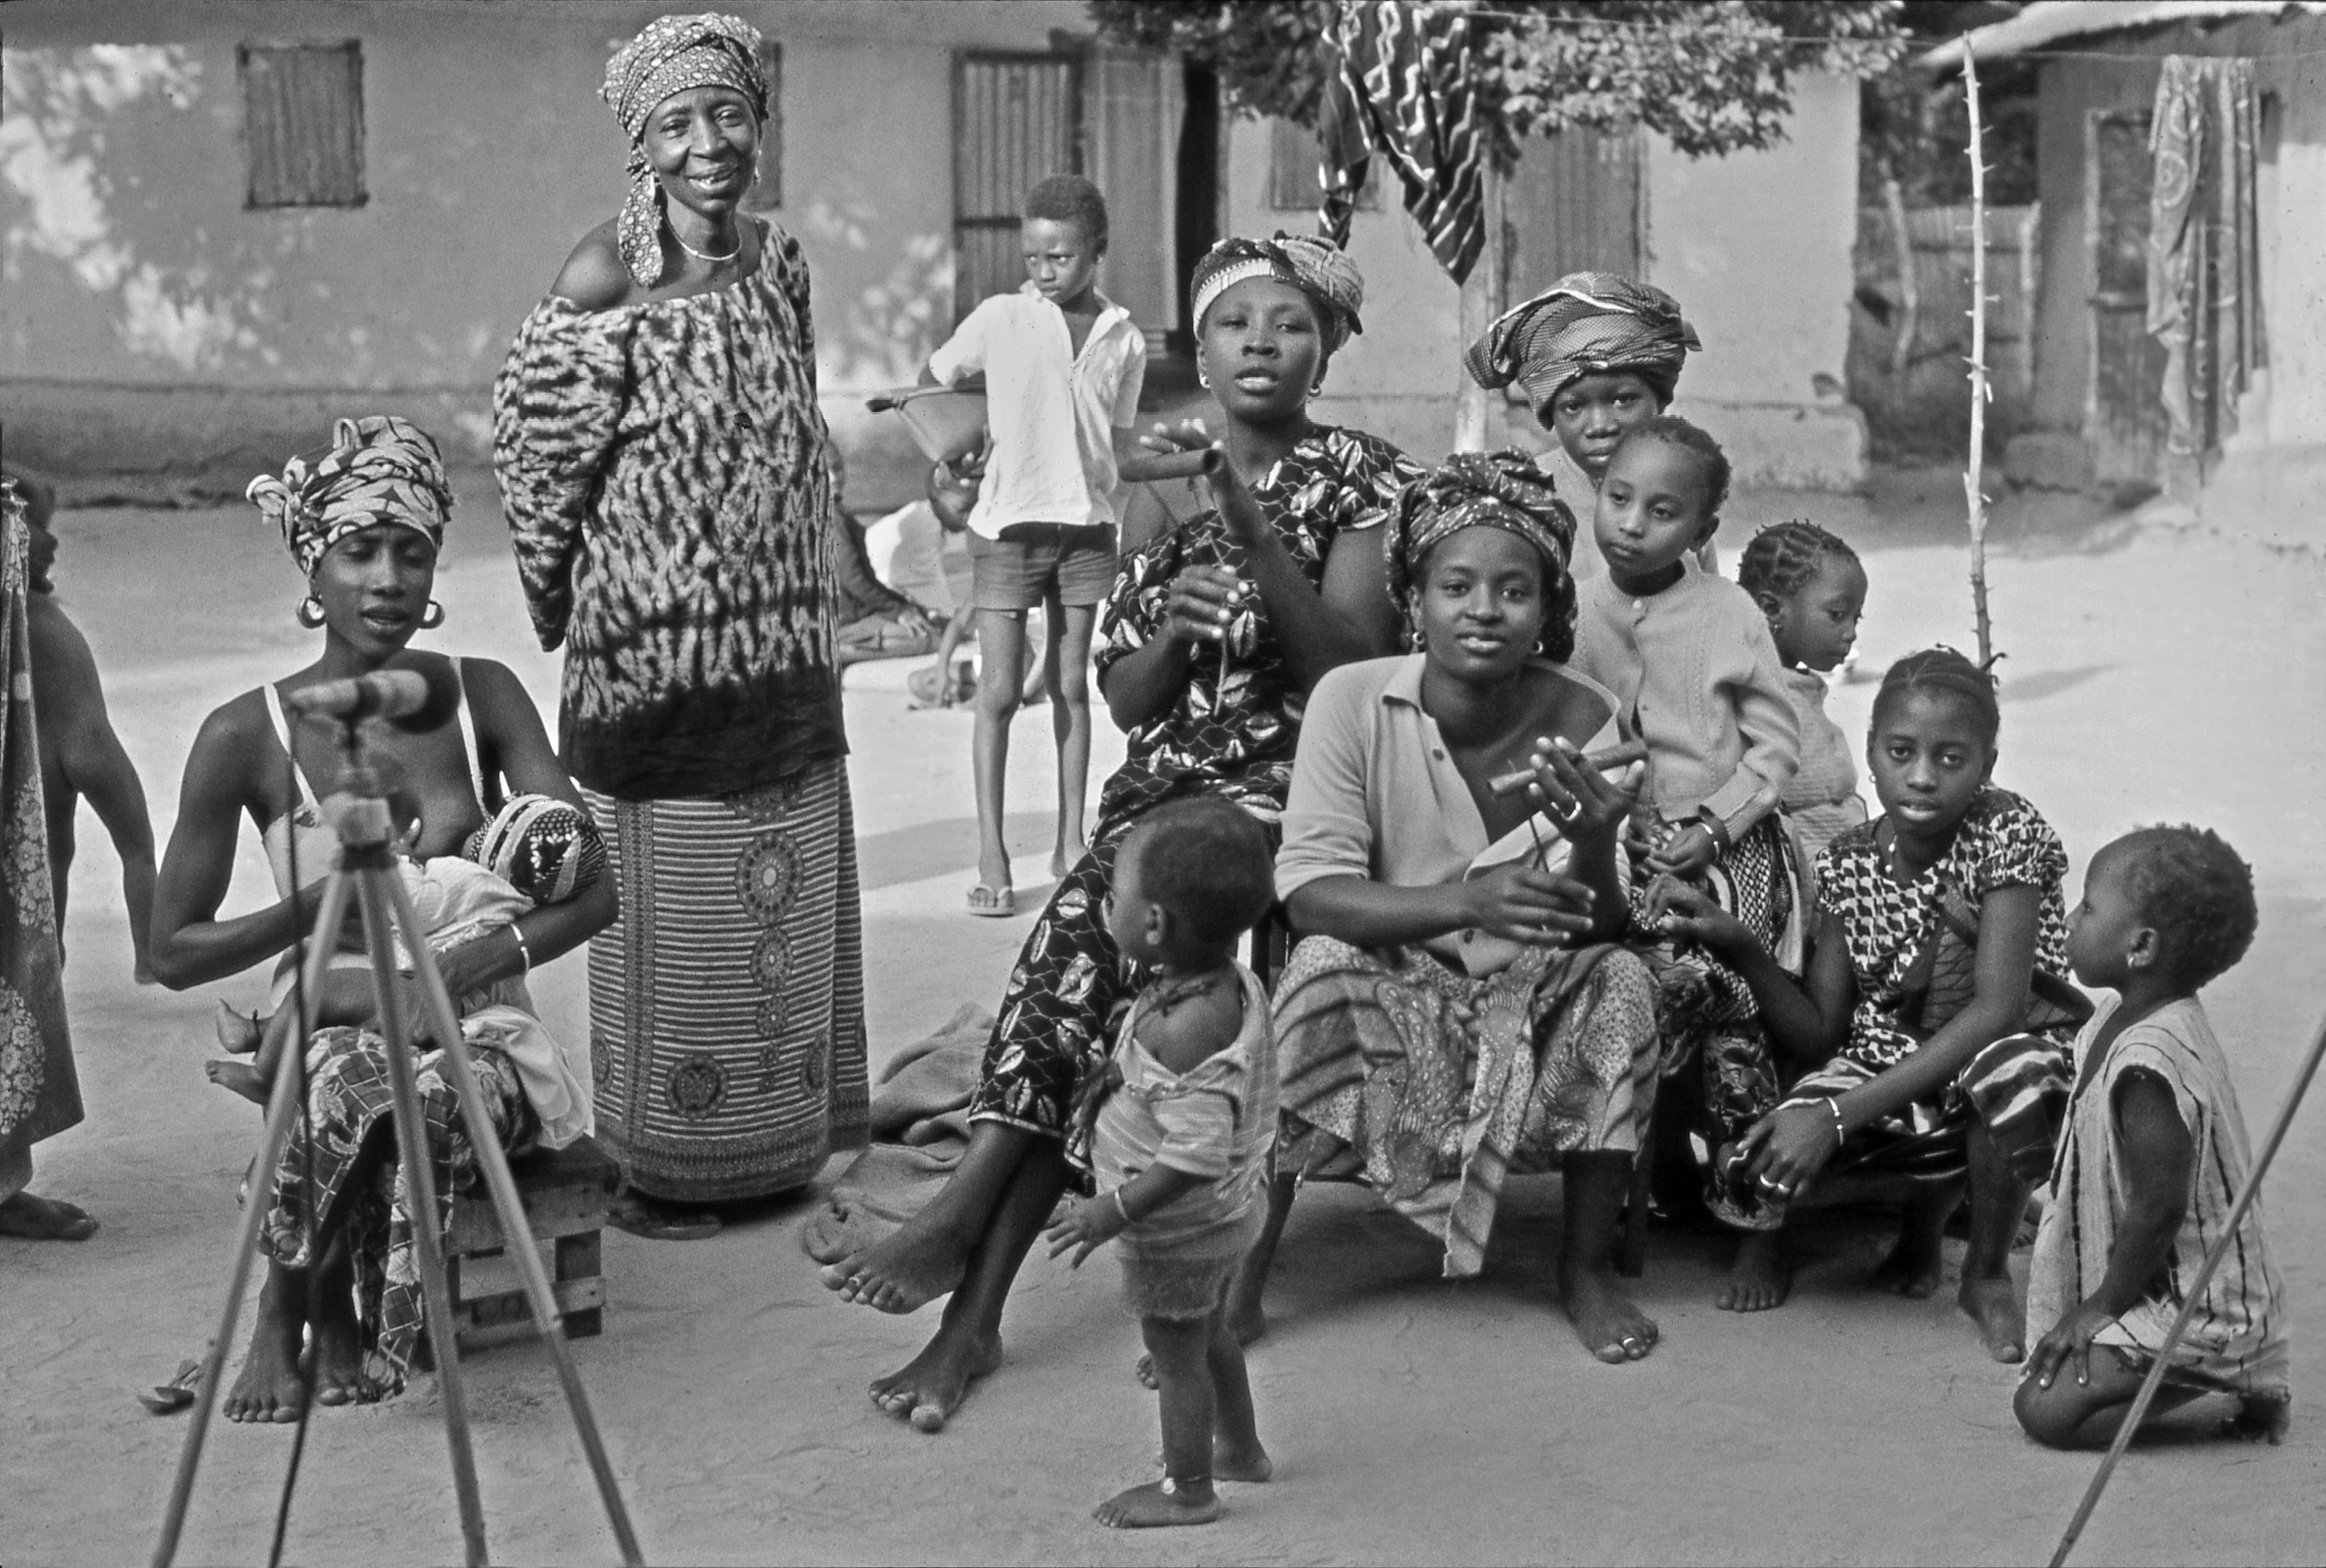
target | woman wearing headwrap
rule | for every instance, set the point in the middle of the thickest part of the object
(661, 460)
(363, 520)
(1594, 355)
(1458, 1012)
(1214, 635)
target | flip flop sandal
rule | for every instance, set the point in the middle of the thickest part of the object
(999, 904)
(177, 1394)
(656, 1224)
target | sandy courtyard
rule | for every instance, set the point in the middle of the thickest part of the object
(2152, 675)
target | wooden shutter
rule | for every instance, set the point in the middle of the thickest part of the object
(1017, 121)
(766, 193)
(303, 123)
(1571, 206)
(2125, 420)
(1294, 155)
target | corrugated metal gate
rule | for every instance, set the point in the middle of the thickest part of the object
(1016, 119)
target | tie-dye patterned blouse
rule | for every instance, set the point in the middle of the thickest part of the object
(662, 469)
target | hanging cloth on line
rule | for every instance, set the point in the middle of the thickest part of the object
(2204, 269)
(1405, 87)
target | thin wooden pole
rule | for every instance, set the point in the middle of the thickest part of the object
(1909, 290)
(2195, 1297)
(1972, 493)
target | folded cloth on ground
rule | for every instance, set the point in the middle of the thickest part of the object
(920, 1130)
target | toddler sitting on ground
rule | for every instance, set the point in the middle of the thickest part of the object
(2153, 1154)
(535, 850)
(1181, 1121)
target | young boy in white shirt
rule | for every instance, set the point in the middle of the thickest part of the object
(1063, 367)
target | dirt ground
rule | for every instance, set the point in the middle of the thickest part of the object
(2150, 675)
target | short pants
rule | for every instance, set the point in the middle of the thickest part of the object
(1033, 561)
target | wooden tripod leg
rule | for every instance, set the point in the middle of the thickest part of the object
(281, 1107)
(485, 1144)
(374, 885)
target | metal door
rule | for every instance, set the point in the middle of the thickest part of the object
(1016, 119)
(1572, 205)
(2123, 416)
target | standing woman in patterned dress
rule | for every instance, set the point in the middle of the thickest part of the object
(661, 462)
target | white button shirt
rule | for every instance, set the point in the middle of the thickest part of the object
(1052, 413)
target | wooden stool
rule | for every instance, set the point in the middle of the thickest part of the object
(567, 1194)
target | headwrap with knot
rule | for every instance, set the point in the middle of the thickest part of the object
(671, 55)
(377, 469)
(1585, 322)
(1316, 267)
(1501, 490)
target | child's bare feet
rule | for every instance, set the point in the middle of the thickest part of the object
(1610, 1327)
(1757, 1280)
(1915, 1266)
(1243, 1462)
(1163, 1504)
(238, 1033)
(238, 1077)
(930, 1387)
(1992, 1304)
(2261, 1418)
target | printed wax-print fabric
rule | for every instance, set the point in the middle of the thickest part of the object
(1235, 729)
(2002, 842)
(39, 1094)
(348, 1095)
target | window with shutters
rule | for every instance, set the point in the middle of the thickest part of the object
(768, 193)
(1294, 157)
(303, 123)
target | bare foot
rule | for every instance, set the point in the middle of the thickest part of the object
(1757, 1280)
(31, 1218)
(238, 1033)
(338, 1352)
(1160, 1505)
(1994, 1305)
(1914, 1267)
(268, 1388)
(933, 1383)
(2261, 1418)
(1236, 1463)
(1246, 1326)
(902, 1273)
(1610, 1327)
(237, 1078)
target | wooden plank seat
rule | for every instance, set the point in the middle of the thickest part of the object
(567, 1194)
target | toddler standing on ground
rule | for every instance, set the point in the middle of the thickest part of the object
(1696, 676)
(2149, 1167)
(1182, 1120)
(1063, 367)
(1810, 586)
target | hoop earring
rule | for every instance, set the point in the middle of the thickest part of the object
(433, 616)
(1318, 390)
(309, 613)
(1202, 378)
(1420, 638)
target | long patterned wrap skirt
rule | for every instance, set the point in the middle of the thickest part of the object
(727, 1002)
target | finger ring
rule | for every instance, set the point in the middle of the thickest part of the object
(1780, 1190)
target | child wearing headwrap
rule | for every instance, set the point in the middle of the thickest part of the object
(1595, 354)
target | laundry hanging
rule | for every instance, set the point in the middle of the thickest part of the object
(1405, 88)
(2204, 300)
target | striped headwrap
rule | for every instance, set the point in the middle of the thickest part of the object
(671, 55)
(377, 469)
(1405, 87)
(1585, 322)
(1503, 490)
(1316, 267)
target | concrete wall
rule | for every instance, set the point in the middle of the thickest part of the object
(147, 319)
(1756, 247)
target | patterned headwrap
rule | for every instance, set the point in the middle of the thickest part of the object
(1503, 490)
(377, 469)
(671, 55)
(1316, 267)
(1584, 323)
